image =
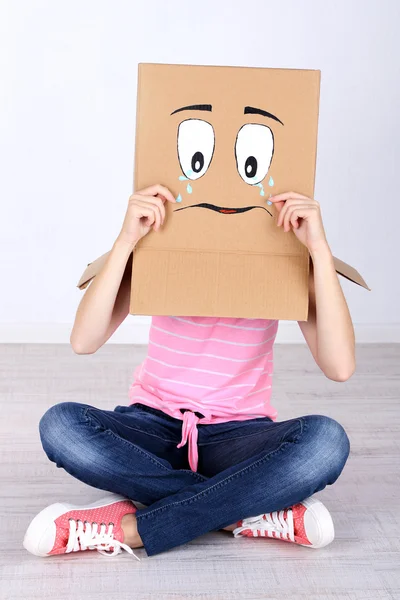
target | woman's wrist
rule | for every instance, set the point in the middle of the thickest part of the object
(320, 251)
(124, 244)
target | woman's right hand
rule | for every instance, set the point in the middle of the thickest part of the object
(145, 211)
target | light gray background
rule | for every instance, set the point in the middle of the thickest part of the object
(67, 118)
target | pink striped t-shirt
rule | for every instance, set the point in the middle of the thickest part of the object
(218, 367)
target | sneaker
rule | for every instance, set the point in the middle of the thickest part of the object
(307, 523)
(62, 528)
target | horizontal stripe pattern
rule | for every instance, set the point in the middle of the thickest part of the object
(219, 367)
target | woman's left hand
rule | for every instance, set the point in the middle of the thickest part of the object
(303, 215)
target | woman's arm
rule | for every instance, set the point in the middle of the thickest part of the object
(328, 331)
(105, 303)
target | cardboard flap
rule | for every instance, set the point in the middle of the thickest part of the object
(91, 271)
(186, 273)
(349, 273)
(341, 267)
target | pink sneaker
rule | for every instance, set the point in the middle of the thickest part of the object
(61, 528)
(307, 523)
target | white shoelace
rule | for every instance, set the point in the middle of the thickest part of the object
(269, 524)
(83, 538)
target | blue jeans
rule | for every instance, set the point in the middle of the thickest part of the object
(246, 468)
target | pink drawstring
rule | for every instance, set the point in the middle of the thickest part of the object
(189, 432)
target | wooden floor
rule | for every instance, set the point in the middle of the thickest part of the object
(362, 563)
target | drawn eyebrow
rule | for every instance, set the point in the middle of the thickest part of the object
(194, 107)
(250, 110)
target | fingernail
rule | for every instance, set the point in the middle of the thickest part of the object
(269, 202)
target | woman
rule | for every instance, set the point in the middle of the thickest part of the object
(205, 384)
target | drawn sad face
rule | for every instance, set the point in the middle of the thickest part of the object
(253, 150)
(223, 139)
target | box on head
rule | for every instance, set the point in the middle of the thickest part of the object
(223, 139)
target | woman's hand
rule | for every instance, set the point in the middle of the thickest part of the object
(145, 211)
(303, 215)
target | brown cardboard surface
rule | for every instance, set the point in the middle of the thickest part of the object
(349, 273)
(92, 270)
(207, 262)
(219, 252)
(341, 267)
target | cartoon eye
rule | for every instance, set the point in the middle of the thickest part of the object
(254, 149)
(196, 141)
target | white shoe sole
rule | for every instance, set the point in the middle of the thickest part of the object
(318, 524)
(41, 534)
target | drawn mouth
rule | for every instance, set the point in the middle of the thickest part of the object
(223, 209)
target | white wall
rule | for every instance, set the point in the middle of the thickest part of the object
(67, 111)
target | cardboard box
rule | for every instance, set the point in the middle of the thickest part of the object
(224, 139)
